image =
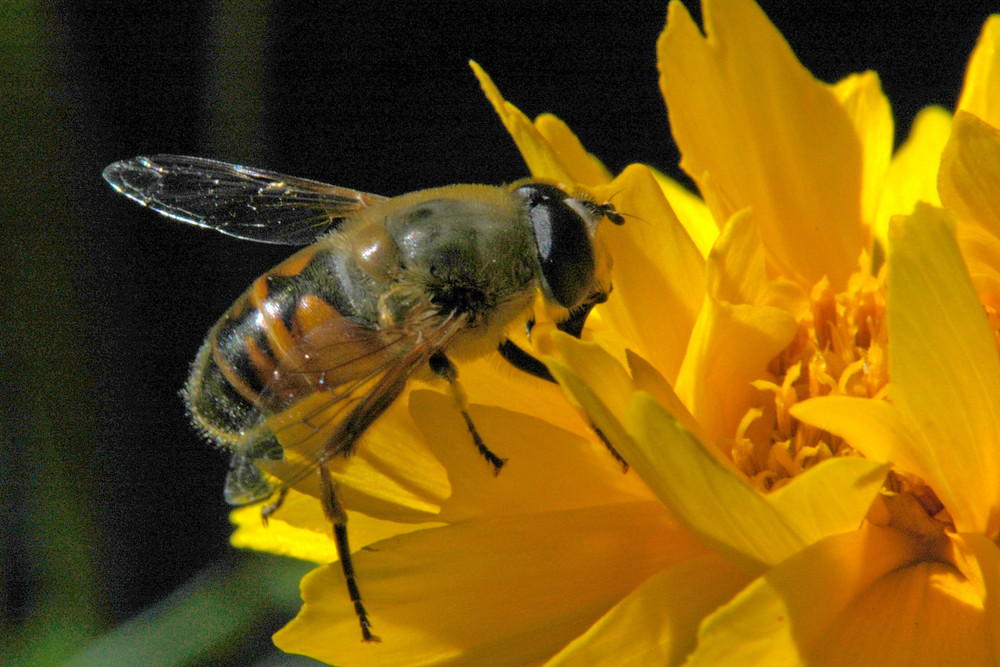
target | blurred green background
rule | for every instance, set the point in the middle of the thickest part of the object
(113, 534)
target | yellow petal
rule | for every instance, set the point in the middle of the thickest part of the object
(664, 612)
(658, 274)
(981, 251)
(767, 134)
(646, 378)
(913, 172)
(391, 475)
(945, 370)
(691, 211)
(831, 497)
(936, 619)
(730, 348)
(530, 583)
(736, 264)
(300, 530)
(970, 172)
(598, 382)
(981, 91)
(282, 538)
(736, 270)
(587, 473)
(539, 155)
(582, 167)
(784, 615)
(874, 428)
(868, 108)
(598, 370)
(978, 560)
(487, 382)
(703, 492)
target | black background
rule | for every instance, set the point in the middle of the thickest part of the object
(104, 304)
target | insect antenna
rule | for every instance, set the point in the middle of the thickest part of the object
(619, 216)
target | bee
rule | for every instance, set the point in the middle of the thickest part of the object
(385, 289)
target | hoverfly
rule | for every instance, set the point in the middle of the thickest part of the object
(385, 288)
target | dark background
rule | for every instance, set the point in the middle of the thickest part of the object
(110, 501)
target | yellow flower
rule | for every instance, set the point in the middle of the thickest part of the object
(801, 369)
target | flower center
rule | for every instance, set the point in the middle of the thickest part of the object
(840, 349)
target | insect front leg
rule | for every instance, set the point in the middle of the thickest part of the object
(443, 367)
(526, 363)
(334, 511)
(574, 324)
(523, 361)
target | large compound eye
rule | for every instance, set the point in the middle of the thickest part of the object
(565, 248)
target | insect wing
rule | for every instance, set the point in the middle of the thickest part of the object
(247, 203)
(327, 392)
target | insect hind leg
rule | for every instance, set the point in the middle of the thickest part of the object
(334, 511)
(268, 510)
(443, 367)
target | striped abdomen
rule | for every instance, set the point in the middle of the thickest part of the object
(306, 326)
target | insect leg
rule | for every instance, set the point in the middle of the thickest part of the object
(445, 369)
(334, 511)
(611, 448)
(574, 325)
(523, 361)
(269, 509)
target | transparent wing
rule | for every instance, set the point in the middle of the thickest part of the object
(247, 203)
(323, 398)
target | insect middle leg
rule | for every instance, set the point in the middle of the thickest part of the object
(334, 511)
(443, 367)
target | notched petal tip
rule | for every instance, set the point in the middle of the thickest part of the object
(768, 135)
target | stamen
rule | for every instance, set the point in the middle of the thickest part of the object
(837, 351)
(840, 349)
